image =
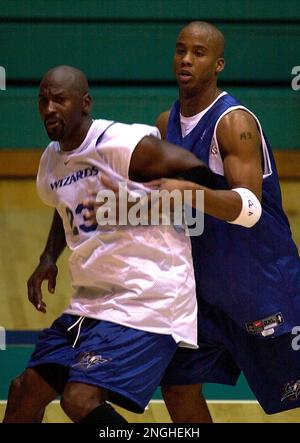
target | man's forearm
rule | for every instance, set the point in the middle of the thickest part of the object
(56, 242)
(201, 175)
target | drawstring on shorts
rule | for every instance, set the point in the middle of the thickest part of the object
(79, 323)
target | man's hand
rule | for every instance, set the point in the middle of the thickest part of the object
(46, 270)
(91, 205)
(151, 204)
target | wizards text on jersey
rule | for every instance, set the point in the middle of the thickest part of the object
(73, 178)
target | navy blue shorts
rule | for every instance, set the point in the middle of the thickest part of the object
(127, 362)
(270, 364)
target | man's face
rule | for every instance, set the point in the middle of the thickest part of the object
(60, 109)
(196, 62)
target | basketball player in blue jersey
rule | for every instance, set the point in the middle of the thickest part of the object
(134, 297)
(246, 264)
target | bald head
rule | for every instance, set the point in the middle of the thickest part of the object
(197, 62)
(65, 105)
(68, 78)
(212, 35)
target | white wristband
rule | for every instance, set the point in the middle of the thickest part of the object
(251, 208)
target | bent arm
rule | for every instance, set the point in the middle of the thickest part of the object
(47, 269)
(240, 146)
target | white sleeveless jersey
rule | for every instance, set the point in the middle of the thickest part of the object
(142, 276)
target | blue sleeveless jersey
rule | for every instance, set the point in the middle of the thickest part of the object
(253, 273)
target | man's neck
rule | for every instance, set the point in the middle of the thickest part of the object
(77, 138)
(191, 104)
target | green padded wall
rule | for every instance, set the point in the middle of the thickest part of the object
(154, 9)
(142, 51)
(127, 46)
(277, 108)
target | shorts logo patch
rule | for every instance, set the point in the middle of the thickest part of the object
(90, 359)
(291, 390)
(265, 326)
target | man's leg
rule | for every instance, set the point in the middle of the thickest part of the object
(85, 403)
(186, 404)
(129, 365)
(28, 396)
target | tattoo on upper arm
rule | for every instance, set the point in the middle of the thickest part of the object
(245, 135)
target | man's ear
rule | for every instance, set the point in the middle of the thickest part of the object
(220, 64)
(87, 103)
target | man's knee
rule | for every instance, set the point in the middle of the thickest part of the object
(186, 404)
(16, 387)
(73, 404)
(32, 388)
(24, 384)
(180, 391)
(78, 400)
(27, 398)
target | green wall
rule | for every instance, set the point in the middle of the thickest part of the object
(277, 108)
(142, 51)
(126, 47)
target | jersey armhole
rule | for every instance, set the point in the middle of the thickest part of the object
(215, 160)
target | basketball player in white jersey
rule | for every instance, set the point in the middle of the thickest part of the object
(134, 293)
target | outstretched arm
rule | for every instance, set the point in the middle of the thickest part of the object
(154, 158)
(47, 269)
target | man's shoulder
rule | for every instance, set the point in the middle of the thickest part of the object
(162, 122)
(114, 127)
(51, 148)
(125, 132)
(233, 111)
(235, 115)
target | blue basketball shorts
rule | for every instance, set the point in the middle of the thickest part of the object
(126, 362)
(270, 364)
